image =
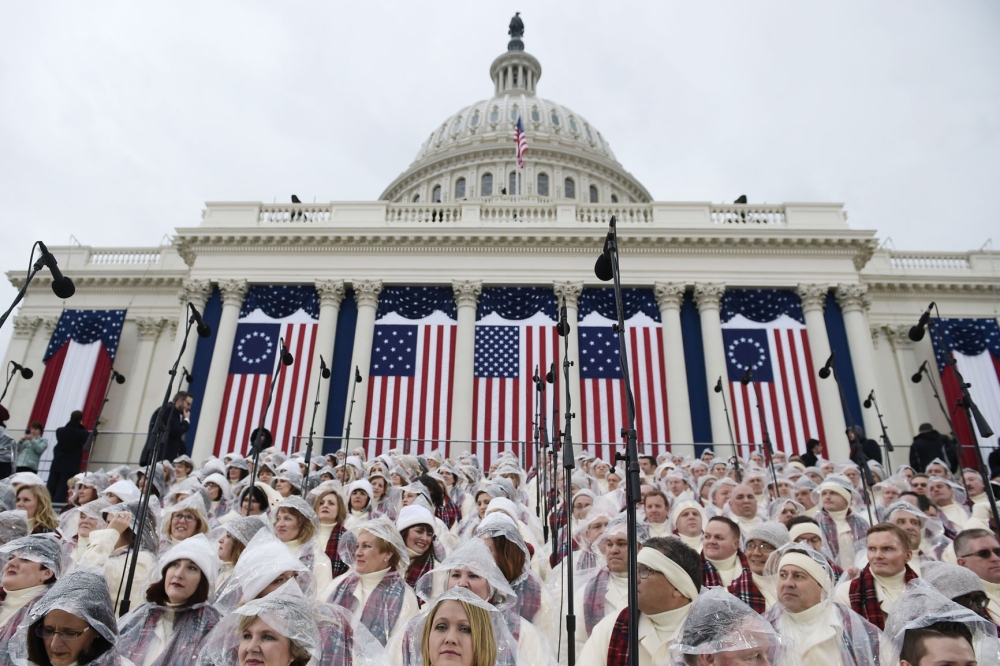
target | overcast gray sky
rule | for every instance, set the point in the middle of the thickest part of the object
(119, 119)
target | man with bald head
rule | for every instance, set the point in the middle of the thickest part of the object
(743, 507)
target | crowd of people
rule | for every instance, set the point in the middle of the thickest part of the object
(431, 560)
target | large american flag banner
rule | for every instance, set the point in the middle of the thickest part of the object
(270, 313)
(412, 368)
(602, 390)
(764, 330)
(515, 333)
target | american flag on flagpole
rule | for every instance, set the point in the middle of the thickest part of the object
(521, 141)
(602, 390)
(763, 330)
(251, 367)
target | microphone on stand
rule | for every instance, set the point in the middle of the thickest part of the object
(186, 375)
(357, 375)
(919, 374)
(204, 330)
(602, 268)
(117, 376)
(62, 286)
(325, 371)
(562, 328)
(286, 356)
(27, 373)
(745, 379)
(824, 372)
(917, 332)
(868, 400)
(718, 386)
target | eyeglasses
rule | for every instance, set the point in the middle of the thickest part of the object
(48, 634)
(977, 601)
(184, 518)
(761, 546)
(644, 571)
(984, 553)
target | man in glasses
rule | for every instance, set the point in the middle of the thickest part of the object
(749, 586)
(959, 584)
(978, 550)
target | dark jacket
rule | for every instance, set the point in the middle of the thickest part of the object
(173, 437)
(809, 459)
(68, 452)
(869, 446)
(931, 444)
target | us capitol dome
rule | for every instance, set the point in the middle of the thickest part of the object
(471, 154)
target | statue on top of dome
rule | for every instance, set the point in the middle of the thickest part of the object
(516, 31)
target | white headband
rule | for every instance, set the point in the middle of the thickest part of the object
(679, 578)
(804, 528)
(808, 564)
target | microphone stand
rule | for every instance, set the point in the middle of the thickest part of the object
(346, 443)
(538, 467)
(263, 418)
(569, 464)
(545, 452)
(866, 478)
(159, 434)
(11, 371)
(729, 426)
(550, 378)
(33, 269)
(312, 431)
(748, 379)
(974, 418)
(885, 433)
(937, 396)
(88, 446)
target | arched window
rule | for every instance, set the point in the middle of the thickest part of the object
(460, 188)
(512, 183)
(593, 194)
(486, 189)
(614, 198)
(494, 115)
(475, 119)
(535, 116)
(436, 197)
(555, 119)
(569, 188)
(543, 185)
(416, 198)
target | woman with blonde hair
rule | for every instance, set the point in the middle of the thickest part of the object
(183, 520)
(236, 535)
(331, 511)
(295, 525)
(37, 503)
(459, 629)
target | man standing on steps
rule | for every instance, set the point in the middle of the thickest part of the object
(178, 420)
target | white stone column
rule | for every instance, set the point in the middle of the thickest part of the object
(466, 299)
(149, 329)
(331, 295)
(366, 294)
(233, 292)
(196, 292)
(569, 293)
(669, 297)
(813, 302)
(853, 299)
(906, 363)
(708, 298)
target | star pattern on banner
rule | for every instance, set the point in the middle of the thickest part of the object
(599, 353)
(416, 302)
(85, 327)
(634, 301)
(970, 337)
(748, 348)
(395, 351)
(497, 351)
(254, 347)
(746, 355)
(761, 305)
(280, 301)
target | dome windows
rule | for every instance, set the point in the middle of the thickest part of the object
(572, 125)
(569, 188)
(416, 198)
(590, 137)
(460, 188)
(535, 116)
(513, 114)
(543, 185)
(486, 187)
(440, 136)
(593, 194)
(475, 120)
(614, 198)
(436, 196)
(512, 189)
(495, 115)
(555, 119)
(457, 127)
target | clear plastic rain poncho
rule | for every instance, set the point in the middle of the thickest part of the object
(191, 623)
(921, 606)
(327, 634)
(933, 542)
(192, 504)
(82, 594)
(187, 487)
(13, 525)
(148, 540)
(8, 497)
(304, 550)
(384, 529)
(473, 557)
(777, 507)
(264, 560)
(226, 499)
(45, 549)
(123, 489)
(97, 480)
(719, 622)
(244, 528)
(827, 626)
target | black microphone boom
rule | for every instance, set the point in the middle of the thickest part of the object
(117, 376)
(917, 332)
(286, 356)
(27, 373)
(745, 379)
(919, 374)
(323, 370)
(824, 372)
(718, 386)
(62, 286)
(204, 330)
(868, 400)
(562, 328)
(602, 269)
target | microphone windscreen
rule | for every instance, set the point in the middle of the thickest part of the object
(718, 386)
(286, 357)
(562, 328)
(602, 268)
(120, 378)
(63, 288)
(204, 330)
(326, 373)
(868, 403)
(917, 377)
(917, 333)
(550, 377)
(824, 372)
(27, 373)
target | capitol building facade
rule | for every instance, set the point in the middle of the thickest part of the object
(444, 295)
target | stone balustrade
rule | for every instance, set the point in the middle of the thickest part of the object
(934, 261)
(129, 257)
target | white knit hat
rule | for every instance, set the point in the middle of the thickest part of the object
(414, 515)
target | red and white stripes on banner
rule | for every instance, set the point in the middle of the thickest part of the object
(790, 401)
(246, 394)
(411, 410)
(503, 408)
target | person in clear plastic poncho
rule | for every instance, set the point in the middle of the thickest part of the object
(13, 525)
(822, 632)
(927, 540)
(182, 520)
(296, 525)
(285, 629)
(925, 627)
(74, 623)
(31, 566)
(264, 566)
(233, 540)
(721, 630)
(177, 615)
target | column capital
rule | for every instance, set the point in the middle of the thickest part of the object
(366, 292)
(708, 295)
(233, 291)
(48, 325)
(853, 297)
(150, 327)
(467, 292)
(898, 336)
(669, 295)
(25, 327)
(813, 296)
(568, 292)
(195, 291)
(331, 292)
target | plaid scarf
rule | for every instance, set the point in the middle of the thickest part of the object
(710, 576)
(864, 599)
(383, 606)
(14, 621)
(449, 513)
(618, 647)
(859, 530)
(191, 626)
(557, 518)
(871, 634)
(332, 545)
(744, 589)
(529, 598)
(594, 599)
(418, 567)
(338, 646)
